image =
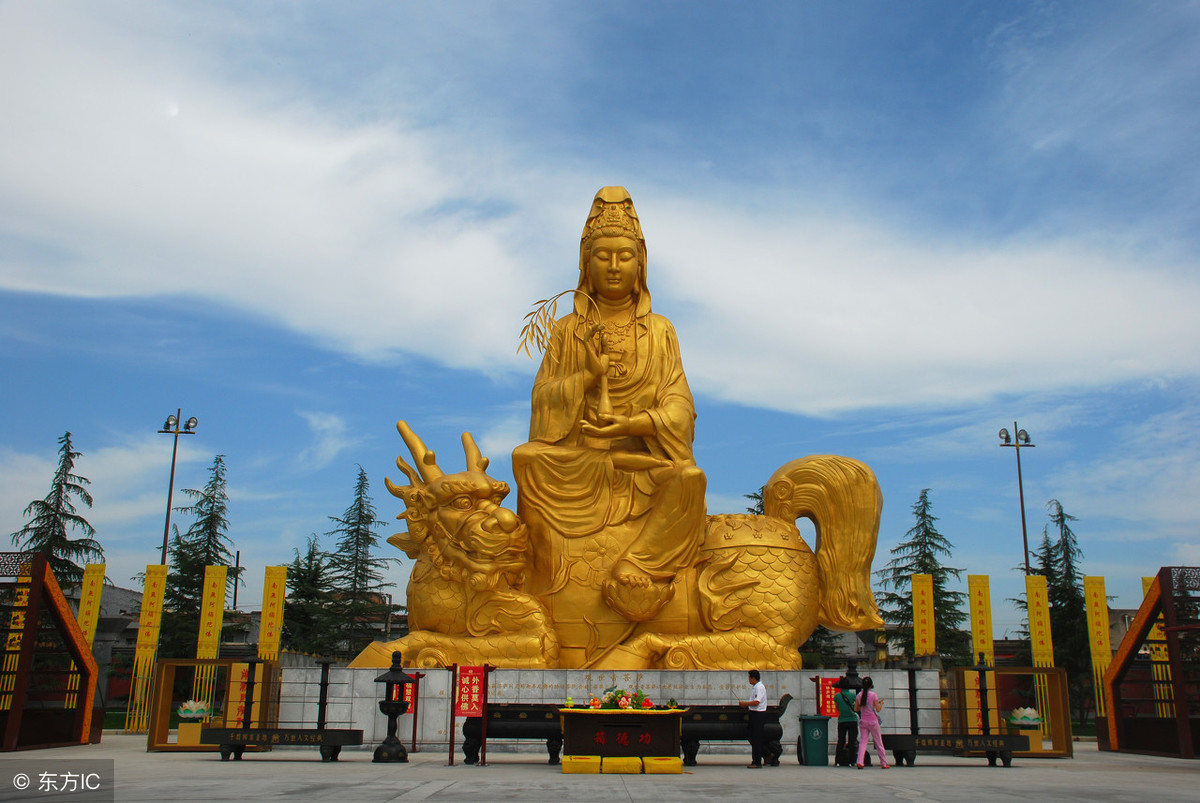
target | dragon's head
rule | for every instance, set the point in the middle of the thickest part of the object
(461, 513)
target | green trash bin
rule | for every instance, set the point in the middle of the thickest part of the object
(812, 748)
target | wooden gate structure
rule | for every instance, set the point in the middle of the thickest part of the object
(47, 674)
(1153, 682)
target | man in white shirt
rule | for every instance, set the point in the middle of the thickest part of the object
(757, 705)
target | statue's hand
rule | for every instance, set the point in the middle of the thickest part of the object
(595, 365)
(614, 425)
(609, 426)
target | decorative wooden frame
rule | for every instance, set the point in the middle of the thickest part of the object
(35, 592)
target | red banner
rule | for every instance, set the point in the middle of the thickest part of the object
(827, 707)
(468, 702)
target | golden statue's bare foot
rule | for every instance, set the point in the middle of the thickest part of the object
(628, 574)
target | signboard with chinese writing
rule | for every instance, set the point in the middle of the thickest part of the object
(271, 625)
(827, 707)
(239, 681)
(212, 612)
(87, 618)
(468, 702)
(1038, 607)
(979, 589)
(974, 699)
(89, 600)
(1101, 642)
(588, 732)
(147, 646)
(924, 638)
(15, 630)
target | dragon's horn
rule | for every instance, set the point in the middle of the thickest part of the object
(475, 458)
(413, 478)
(425, 459)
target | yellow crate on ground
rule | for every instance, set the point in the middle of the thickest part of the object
(621, 765)
(581, 765)
(663, 765)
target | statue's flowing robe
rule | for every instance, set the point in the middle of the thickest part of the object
(568, 483)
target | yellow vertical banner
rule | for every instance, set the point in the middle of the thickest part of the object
(1037, 599)
(270, 626)
(212, 612)
(1160, 665)
(89, 600)
(1098, 636)
(208, 638)
(87, 618)
(147, 645)
(924, 638)
(979, 589)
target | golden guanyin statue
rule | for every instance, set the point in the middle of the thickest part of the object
(611, 561)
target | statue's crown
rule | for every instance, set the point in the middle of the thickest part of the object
(612, 214)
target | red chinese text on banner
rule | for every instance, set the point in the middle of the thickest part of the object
(468, 701)
(828, 707)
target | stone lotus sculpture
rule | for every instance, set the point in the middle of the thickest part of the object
(611, 561)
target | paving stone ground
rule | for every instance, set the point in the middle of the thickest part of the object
(299, 775)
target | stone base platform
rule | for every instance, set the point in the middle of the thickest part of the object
(354, 698)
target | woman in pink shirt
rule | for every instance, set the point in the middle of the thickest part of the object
(868, 705)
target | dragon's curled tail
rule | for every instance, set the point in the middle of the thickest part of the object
(842, 497)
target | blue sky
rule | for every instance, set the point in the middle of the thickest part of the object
(883, 230)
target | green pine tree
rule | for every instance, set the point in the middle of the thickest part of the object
(205, 543)
(921, 552)
(1068, 610)
(310, 622)
(357, 575)
(52, 518)
(824, 645)
(757, 499)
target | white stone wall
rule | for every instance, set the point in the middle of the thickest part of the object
(354, 698)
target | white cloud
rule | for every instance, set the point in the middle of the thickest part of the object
(121, 156)
(23, 478)
(816, 315)
(119, 477)
(329, 439)
(1145, 482)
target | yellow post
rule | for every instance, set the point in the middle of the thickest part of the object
(979, 588)
(147, 646)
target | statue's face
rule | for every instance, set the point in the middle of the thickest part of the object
(613, 267)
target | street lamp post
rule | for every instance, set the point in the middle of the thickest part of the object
(1022, 441)
(171, 427)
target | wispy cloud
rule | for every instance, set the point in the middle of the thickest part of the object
(330, 439)
(379, 237)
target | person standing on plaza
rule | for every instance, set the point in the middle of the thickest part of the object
(868, 705)
(757, 705)
(847, 736)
